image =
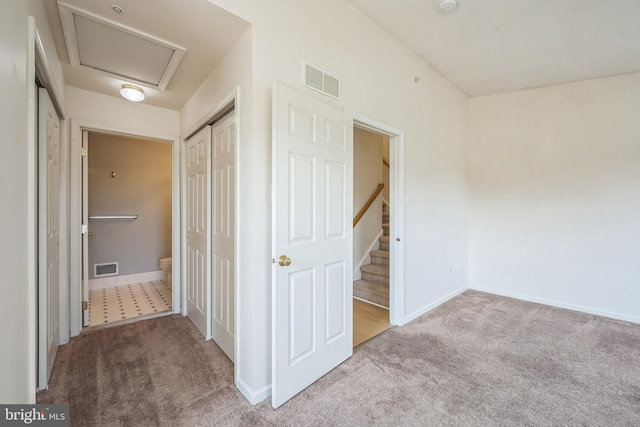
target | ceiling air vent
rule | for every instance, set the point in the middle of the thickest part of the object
(321, 81)
(100, 44)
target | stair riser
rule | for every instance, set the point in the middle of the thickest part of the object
(379, 261)
(375, 278)
(384, 246)
(385, 230)
(385, 218)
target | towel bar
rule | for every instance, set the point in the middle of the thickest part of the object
(114, 217)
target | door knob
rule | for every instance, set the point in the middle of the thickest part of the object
(284, 260)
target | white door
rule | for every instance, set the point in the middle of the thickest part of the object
(223, 242)
(49, 236)
(198, 224)
(85, 228)
(312, 286)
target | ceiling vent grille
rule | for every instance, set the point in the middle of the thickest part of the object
(321, 81)
(123, 52)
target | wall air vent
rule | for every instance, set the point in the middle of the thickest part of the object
(123, 52)
(105, 269)
(321, 81)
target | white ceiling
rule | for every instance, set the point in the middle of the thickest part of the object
(494, 46)
(203, 29)
(484, 47)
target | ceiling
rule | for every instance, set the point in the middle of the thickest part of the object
(494, 46)
(484, 47)
(206, 31)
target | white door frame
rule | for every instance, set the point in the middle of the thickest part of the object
(75, 295)
(221, 107)
(38, 66)
(396, 206)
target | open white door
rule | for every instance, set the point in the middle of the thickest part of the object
(198, 224)
(49, 236)
(313, 210)
(223, 241)
(85, 228)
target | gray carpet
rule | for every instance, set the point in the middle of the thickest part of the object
(477, 360)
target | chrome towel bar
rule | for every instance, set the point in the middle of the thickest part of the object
(114, 217)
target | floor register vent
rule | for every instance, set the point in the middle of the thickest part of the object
(321, 81)
(105, 269)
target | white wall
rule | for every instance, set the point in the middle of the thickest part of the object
(17, 291)
(235, 71)
(118, 113)
(555, 191)
(367, 174)
(378, 80)
(17, 186)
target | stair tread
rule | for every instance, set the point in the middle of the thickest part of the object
(380, 270)
(380, 253)
(372, 292)
(372, 287)
(384, 239)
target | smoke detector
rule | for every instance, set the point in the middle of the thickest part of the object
(448, 6)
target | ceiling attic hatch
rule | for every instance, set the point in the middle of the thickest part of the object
(107, 46)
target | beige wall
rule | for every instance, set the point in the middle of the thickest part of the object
(142, 186)
(555, 195)
(367, 174)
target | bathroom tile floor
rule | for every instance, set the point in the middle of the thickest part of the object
(128, 301)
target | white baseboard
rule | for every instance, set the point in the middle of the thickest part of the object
(560, 304)
(408, 318)
(254, 397)
(125, 279)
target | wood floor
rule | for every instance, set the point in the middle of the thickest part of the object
(368, 321)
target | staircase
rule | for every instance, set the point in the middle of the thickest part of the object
(374, 285)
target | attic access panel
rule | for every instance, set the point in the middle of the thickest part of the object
(123, 52)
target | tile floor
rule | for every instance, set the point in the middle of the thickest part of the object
(128, 301)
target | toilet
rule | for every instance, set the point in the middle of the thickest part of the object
(165, 266)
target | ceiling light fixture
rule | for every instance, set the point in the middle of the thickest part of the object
(448, 6)
(132, 92)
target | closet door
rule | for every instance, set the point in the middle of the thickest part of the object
(198, 224)
(49, 236)
(223, 245)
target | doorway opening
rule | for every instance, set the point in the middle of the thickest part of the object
(209, 230)
(371, 248)
(377, 234)
(127, 253)
(112, 217)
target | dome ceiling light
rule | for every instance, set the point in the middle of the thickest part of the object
(132, 92)
(448, 6)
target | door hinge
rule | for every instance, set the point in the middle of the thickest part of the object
(85, 305)
(84, 229)
(83, 151)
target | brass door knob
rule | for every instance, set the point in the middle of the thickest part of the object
(284, 260)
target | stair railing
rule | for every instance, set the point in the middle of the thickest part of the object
(367, 205)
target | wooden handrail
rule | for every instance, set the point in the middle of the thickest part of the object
(367, 205)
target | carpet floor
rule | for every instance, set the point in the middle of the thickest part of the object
(476, 360)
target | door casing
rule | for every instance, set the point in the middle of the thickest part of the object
(396, 214)
(75, 294)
